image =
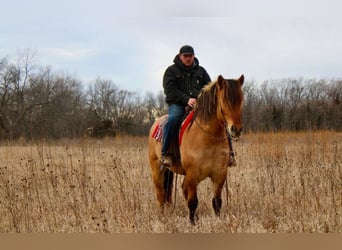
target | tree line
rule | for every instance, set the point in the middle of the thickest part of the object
(37, 102)
(293, 105)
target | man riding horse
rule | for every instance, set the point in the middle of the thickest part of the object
(182, 82)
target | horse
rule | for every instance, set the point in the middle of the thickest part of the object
(203, 151)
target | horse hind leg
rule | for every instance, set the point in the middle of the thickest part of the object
(163, 183)
(158, 181)
(163, 180)
(159, 187)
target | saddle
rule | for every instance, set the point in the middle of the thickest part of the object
(176, 140)
(158, 131)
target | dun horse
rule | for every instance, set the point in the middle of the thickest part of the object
(203, 151)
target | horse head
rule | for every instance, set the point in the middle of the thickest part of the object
(229, 104)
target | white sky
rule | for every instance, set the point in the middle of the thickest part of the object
(132, 42)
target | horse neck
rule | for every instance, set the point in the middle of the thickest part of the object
(212, 126)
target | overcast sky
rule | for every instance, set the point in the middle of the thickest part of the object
(132, 42)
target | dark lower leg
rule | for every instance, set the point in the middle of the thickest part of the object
(192, 204)
(217, 204)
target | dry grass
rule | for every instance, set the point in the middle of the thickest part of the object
(287, 182)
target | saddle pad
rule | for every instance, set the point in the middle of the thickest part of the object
(158, 131)
(184, 125)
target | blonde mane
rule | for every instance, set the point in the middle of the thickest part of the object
(207, 99)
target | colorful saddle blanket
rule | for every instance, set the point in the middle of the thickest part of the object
(158, 131)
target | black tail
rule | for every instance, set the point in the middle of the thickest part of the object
(168, 185)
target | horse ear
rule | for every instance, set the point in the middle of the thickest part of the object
(220, 81)
(241, 79)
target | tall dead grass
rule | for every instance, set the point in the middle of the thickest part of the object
(284, 182)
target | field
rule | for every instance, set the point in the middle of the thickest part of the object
(284, 182)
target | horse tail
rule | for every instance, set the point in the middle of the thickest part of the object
(168, 185)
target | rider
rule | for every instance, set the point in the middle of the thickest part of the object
(182, 83)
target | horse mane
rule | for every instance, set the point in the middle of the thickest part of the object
(207, 100)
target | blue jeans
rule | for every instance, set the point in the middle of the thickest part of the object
(176, 114)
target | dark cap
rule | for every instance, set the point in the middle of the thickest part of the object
(187, 49)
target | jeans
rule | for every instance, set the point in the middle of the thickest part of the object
(176, 114)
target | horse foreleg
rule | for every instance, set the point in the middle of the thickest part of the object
(192, 204)
(217, 200)
(217, 204)
(190, 194)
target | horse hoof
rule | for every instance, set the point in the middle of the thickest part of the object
(192, 221)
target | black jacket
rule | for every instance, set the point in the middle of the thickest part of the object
(180, 82)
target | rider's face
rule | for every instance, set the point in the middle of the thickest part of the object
(187, 59)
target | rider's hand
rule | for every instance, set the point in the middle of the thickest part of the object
(192, 102)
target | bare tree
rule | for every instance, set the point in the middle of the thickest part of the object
(36, 102)
(14, 102)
